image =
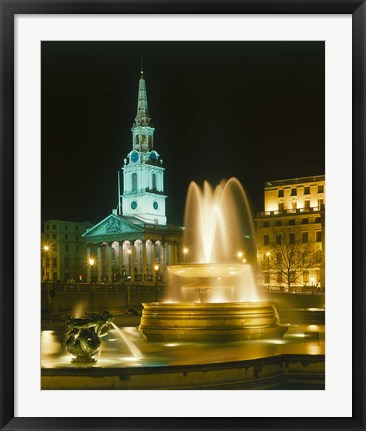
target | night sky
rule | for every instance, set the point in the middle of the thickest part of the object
(253, 110)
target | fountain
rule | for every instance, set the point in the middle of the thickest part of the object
(211, 331)
(214, 298)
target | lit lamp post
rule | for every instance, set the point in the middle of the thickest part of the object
(185, 252)
(91, 262)
(46, 252)
(156, 268)
(268, 254)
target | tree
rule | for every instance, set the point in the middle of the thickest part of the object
(288, 257)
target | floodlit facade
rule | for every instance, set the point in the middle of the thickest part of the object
(63, 250)
(294, 215)
(135, 241)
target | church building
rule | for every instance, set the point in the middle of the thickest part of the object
(135, 242)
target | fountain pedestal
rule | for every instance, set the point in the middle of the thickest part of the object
(210, 322)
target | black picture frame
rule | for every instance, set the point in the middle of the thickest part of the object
(8, 10)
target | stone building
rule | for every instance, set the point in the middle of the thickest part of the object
(63, 250)
(294, 214)
(135, 241)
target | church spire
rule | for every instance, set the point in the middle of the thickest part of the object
(142, 116)
(142, 129)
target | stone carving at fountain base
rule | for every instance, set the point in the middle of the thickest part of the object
(84, 336)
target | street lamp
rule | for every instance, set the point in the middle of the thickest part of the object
(156, 268)
(240, 254)
(185, 252)
(268, 254)
(91, 262)
(46, 249)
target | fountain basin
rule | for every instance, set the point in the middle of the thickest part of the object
(208, 270)
(213, 322)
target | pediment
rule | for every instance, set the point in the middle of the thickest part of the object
(112, 225)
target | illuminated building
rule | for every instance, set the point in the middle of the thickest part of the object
(294, 212)
(63, 250)
(135, 239)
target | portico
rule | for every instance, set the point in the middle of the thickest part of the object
(134, 249)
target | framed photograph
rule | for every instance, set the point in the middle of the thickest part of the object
(166, 170)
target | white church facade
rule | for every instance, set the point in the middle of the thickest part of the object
(135, 240)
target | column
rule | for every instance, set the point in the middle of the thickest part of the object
(143, 251)
(109, 262)
(122, 269)
(99, 263)
(153, 254)
(132, 261)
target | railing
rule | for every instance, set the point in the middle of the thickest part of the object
(294, 181)
(291, 211)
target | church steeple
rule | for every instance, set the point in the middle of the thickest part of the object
(142, 130)
(143, 172)
(142, 116)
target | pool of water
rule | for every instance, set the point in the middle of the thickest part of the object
(115, 353)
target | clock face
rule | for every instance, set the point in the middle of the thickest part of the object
(133, 205)
(153, 156)
(155, 205)
(135, 156)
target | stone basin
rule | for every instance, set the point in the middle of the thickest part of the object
(218, 322)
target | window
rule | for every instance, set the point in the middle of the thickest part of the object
(279, 277)
(293, 192)
(47, 263)
(307, 191)
(265, 224)
(280, 193)
(77, 248)
(265, 239)
(318, 236)
(54, 262)
(305, 237)
(48, 227)
(77, 228)
(305, 221)
(54, 227)
(291, 238)
(66, 247)
(66, 227)
(281, 207)
(66, 237)
(67, 262)
(307, 204)
(154, 181)
(306, 277)
(134, 182)
(137, 139)
(291, 222)
(278, 238)
(320, 202)
(278, 222)
(318, 220)
(320, 189)
(294, 205)
(76, 237)
(54, 236)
